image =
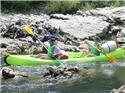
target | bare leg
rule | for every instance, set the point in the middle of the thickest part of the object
(43, 56)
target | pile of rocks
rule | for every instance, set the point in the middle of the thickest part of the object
(56, 72)
(71, 30)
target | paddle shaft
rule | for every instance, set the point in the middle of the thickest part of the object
(42, 44)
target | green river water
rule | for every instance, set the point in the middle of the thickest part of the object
(102, 78)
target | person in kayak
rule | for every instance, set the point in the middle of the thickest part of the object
(93, 48)
(54, 51)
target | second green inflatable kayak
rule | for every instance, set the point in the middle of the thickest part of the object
(28, 60)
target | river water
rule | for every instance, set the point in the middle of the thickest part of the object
(102, 78)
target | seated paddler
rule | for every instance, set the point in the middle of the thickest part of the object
(93, 48)
(53, 51)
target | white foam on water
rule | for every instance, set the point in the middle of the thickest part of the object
(121, 64)
(52, 92)
(108, 72)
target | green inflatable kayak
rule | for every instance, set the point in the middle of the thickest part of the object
(30, 60)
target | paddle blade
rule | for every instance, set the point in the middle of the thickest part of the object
(112, 59)
(28, 30)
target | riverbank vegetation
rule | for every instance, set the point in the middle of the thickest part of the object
(58, 6)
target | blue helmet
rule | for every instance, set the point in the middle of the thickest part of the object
(48, 38)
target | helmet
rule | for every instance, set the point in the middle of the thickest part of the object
(48, 38)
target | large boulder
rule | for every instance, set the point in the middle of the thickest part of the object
(79, 26)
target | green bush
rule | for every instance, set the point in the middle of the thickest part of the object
(64, 6)
(87, 7)
(59, 6)
(18, 6)
(117, 3)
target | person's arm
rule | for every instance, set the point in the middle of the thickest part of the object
(56, 51)
(88, 44)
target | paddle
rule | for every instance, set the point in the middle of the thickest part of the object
(110, 58)
(29, 31)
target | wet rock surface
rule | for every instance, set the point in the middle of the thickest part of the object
(65, 71)
(8, 73)
(69, 29)
(119, 90)
(47, 75)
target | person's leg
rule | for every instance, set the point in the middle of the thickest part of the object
(43, 56)
(63, 57)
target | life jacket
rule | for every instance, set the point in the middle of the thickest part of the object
(60, 56)
(94, 50)
(50, 51)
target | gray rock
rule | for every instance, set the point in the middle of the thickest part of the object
(8, 73)
(3, 45)
(3, 52)
(120, 90)
(79, 26)
(60, 16)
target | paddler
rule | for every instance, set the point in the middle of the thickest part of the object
(93, 48)
(53, 51)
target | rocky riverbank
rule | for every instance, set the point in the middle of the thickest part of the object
(119, 90)
(71, 30)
